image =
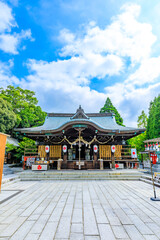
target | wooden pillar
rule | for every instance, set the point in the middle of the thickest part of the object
(113, 159)
(64, 161)
(3, 138)
(142, 162)
(127, 165)
(94, 159)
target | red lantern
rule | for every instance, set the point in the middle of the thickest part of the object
(113, 148)
(95, 148)
(64, 148)
(47, 149)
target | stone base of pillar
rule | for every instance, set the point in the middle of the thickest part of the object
(59, 163)
(101, 164)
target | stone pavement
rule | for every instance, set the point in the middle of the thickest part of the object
(75, 210)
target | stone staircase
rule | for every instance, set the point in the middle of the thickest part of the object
(29, 175)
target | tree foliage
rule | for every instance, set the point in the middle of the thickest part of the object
(138, 141)
(108, 107)
(25, 143)
(7, 116)
(24, 105)
(18, 108)
(142, 120)
(153, 123)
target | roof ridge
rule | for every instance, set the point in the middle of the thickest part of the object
(72, 114)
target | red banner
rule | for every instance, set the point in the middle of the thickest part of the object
(154, 158)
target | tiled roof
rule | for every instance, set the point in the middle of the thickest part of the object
(56, 122)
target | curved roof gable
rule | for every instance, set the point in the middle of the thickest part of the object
(103, 121)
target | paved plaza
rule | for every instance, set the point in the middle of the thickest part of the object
(75, 210)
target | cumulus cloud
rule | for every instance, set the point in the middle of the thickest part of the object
(9, 42)
(6, 77)
(125, 37)
(99, 53)
(7, 20)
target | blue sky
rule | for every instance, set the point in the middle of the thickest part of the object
(80, 52)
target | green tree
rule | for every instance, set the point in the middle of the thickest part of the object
(108, 107)
(138, 141)
(7, 116)
(25, 143)
(142, 120)
(24, 105)
(153, 123)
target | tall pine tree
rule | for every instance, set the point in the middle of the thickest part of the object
(108, 107)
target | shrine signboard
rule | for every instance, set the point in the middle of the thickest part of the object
(40, 167)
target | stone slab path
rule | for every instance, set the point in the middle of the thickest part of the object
(76, 210)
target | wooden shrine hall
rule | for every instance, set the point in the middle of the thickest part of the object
(82, 141)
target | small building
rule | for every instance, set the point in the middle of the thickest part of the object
(9, 155)
(83, 139)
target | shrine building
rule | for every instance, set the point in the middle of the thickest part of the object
(82, 141)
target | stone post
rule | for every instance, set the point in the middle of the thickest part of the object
(101, 164)
(59, 163)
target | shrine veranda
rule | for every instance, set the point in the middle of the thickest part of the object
(80, 141)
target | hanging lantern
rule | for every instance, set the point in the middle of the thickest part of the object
(64, 148)
(47, 149)
(95, 148)
(113, 148)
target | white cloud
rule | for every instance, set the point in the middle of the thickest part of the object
(148, 72)
(7, 20)
(135, 93)
(64, 84)
(125, 37)
(9, 42)
(6, 77)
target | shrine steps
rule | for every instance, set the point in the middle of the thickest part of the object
(80, 175)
